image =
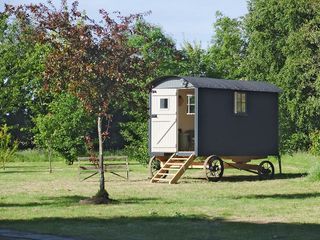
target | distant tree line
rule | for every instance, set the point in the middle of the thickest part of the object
(277, 42)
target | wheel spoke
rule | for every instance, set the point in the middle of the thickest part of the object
(266, 170)
(214, 169)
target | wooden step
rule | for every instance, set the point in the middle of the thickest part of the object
(173, 164)
(162, 179)
(182, 169)
(175, 169)
(166, 174)
(179, 159)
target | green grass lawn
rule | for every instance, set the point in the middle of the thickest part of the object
(238, 207)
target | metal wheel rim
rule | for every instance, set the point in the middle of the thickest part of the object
(214, 169)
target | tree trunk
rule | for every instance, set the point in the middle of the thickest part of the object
(101, 165)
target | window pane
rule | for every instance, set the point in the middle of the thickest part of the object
(191, 99)
(243, 98)
(190, 104)
(243, 109)
(240, 102)
(238, 108)
(191, 109)
(163, 103)
(243, 103)
(238, 98)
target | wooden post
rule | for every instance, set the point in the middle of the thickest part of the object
(127, 165)
(279, 161)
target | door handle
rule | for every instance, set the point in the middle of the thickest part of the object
(154, 115)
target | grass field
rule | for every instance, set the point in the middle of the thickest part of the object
(238, 207)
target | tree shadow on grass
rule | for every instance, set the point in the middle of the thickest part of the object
(65, 201)
(47, 201)
(157, 227)
(140, 201)
(282, 196)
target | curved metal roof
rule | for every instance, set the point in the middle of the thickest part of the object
(203, 82)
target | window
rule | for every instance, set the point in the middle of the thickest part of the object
(191, 106)
(240, 103)
(163, 103)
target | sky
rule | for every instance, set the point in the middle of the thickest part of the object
(183, 20)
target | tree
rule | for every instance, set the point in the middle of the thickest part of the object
(283, 48)
(194, 60)
(227, 51)
(91, 61)
(64, 128)
(21, 67)
(157, 49)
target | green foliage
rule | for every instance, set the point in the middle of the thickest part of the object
(225, 56)
(7, 146)
(283, 48)
(158, 51)
(136, 135)
(315, 143)
(194, 61)
(21, 67)
(64, 127)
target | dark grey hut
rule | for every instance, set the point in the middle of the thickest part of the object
(209, 116)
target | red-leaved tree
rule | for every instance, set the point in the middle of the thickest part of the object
(92, 61)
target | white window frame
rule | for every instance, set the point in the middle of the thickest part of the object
(189, 104)
(164, 109)
(240, 103)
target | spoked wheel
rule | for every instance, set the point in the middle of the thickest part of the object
(154, 166)
(266, 170)
(213, 168)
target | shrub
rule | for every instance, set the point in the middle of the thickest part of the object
(315, 143)
(135, 134)
(63, 128)
(7, 146)
(314, 173)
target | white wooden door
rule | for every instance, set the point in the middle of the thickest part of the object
(164, 120)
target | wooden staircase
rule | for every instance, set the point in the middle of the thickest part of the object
(173, 169)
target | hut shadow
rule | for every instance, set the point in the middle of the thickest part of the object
(282, 196)
(157, 227)
(243, 178)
